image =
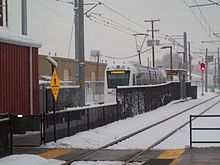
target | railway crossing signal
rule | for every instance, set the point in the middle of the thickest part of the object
(202, 67)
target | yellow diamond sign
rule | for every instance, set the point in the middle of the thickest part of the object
(55, 85)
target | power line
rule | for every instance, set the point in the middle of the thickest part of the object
(109, 26)
(123, 26)
(54, 11)
(132, 56)
(215, 3)
(206, 4)
(63, 1)
(210, 29)
(114, 24)
(128, 19)
(198, 21)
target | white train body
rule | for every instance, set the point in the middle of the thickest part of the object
(129, 75)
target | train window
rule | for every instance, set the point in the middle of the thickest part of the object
(115, 79)
(134, 79)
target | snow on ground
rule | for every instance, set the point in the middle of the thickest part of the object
(100, 136)
(177, 140)
(97, 137)
(26, 159)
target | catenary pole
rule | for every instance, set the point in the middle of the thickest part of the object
(190, 63)
(80, 41)
(76, 42)
(24, 17)
(206, 70)
(218, 70)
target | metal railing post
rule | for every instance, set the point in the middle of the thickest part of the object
(68, 123)
(190, 133)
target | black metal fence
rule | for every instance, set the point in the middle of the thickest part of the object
(192, 117)
(6, 136)
(27, 130)
(69, 122)
(48, 127)
(68, 97)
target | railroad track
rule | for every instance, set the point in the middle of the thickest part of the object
(136, 155)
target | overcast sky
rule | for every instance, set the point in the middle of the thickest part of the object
(51, 21)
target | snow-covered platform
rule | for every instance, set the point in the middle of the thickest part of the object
(186, 156)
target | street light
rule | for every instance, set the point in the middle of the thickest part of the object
(171, 59)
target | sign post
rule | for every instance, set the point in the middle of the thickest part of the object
(55, 86)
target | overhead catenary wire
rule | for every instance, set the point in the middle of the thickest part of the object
(108, 20)
(72, 21)
(63, 1)
(127, 57)
(119, 14)
(52, 10)
(109, 26)
(112, 24)
(204, 29)
(200, 11)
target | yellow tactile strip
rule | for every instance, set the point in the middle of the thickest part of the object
(55, 153)
(171, 154)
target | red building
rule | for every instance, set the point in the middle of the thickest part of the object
(19, 89)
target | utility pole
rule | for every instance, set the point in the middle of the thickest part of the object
(206, 71)
(79, 48)
(24, 17)
(152, 30)
(185, 52)
(190, 63)
(215, 75)
(76, 8)
(97, 66)
(218, 69)
(184, 76)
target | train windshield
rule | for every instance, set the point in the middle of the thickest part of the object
(117, 78)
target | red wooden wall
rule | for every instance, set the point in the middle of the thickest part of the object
(15, 79)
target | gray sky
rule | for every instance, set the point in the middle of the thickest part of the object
(51, 22)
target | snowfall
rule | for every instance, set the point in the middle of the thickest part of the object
(97, 137)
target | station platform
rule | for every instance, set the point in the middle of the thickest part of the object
(186, 156)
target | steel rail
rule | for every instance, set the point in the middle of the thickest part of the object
(136, 155)
(135, 133)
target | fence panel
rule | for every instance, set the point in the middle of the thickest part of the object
(71, 121)
(192, 117)
(136, 100)
(27, 130)
(6, 136)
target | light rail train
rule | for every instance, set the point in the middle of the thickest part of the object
(129, 75)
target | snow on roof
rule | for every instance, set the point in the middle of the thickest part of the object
(9, 37)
